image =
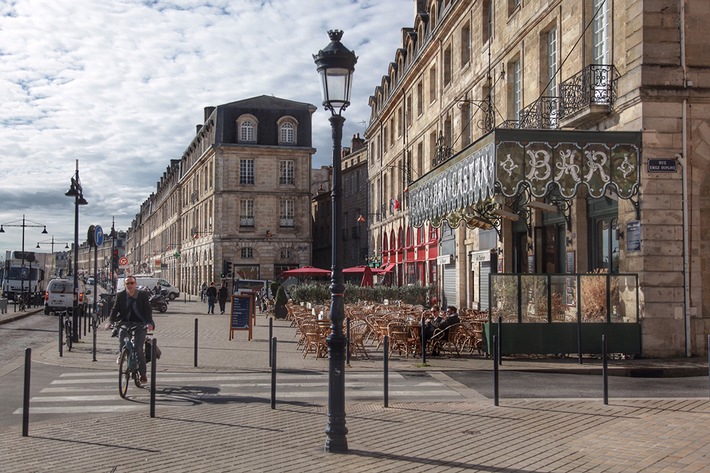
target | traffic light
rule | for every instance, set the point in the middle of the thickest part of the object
(226, 269)
(114, 260)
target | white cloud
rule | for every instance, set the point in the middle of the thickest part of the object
(120, 85)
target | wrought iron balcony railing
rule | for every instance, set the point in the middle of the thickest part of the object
(594, 85)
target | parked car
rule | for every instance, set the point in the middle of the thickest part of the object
(60, 296)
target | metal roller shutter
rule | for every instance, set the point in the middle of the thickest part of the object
(483, 283)
(449, 273)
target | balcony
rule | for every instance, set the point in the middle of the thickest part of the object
(246, 221)
(588, 96)
(286, 222)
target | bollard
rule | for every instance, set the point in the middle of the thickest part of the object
(495, 370)
(500, 343)
(423, 344)
(26, 395)
(61, 334)
(271, 338)
(273, 373)
(153, 371)
(347, 340)
(386, 369)
(195, 354)
(604, 371)
(93, 334)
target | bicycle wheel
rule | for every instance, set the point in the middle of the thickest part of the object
(68, 336)
(124, 373)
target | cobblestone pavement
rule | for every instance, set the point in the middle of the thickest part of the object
(245, 434)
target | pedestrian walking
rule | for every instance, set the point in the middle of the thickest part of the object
(222, 297)
(211, 294)
(203, 292)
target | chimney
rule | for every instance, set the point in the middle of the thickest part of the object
(419, 7)
(208, 112)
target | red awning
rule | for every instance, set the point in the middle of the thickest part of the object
(389, 267)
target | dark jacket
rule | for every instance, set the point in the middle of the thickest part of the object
(223, 293)
(211, 292)
(138, 312)
(452, 319)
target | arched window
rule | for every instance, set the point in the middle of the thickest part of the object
(288, 133)
(246, 131)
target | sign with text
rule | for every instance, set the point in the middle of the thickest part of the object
(240, 315)
(661, 165)
(633, 235)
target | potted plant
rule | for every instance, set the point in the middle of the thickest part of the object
(280, 311)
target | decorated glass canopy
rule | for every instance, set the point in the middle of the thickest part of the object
(537, 163)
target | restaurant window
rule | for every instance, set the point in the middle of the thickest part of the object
(603, 234)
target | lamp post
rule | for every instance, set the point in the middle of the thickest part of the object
(54, 259)
(24, 225)
(336, 64)
(77, 192)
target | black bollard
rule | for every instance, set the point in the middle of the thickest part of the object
(347, 339)
(153, 371)
(61, 334)
(273, 373)
(26, 396)
(195, 354)
(386, 369)
(495, 370)
(423, 345)
(499, 348)
(93, 335)
(271, 338)
(604, 371)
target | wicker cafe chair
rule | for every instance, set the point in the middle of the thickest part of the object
(315, 341)
(445, 340)
(358, 330)
(398, 334)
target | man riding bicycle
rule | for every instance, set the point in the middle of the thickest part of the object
(132, 308)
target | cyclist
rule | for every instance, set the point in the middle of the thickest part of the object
(132, 308)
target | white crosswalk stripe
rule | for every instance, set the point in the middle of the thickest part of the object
(97, 391)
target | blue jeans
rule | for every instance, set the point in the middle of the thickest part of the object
(210, 305)
(140, 345)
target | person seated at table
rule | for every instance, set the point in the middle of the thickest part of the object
(442, 331)
(432, 322)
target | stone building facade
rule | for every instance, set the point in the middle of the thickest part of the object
(239, 198)
(601, 107)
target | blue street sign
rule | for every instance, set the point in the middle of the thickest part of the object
(99, 235)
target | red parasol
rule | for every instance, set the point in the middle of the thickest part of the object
(307, 271)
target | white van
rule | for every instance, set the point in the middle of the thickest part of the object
(60, 296)
(150, 282)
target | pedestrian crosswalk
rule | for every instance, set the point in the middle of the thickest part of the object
(97, 391)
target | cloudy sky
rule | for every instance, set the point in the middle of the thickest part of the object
(120, 85)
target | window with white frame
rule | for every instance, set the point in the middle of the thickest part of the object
(247, 131)
(246, 213)
(288, 133)
(247, 252)
(600, 32)
(287, 172)
(246, 171)
(287, 212)
(516, 92)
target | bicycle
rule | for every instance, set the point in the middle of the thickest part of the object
(128, 364)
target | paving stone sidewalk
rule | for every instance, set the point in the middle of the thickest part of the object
(245, 434)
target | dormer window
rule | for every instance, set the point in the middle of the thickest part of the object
(247, 126)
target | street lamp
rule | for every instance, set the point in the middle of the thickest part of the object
(54, 259)
(77, 192)
(336, 64)
(24, 225)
